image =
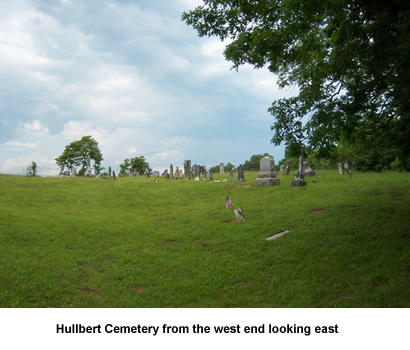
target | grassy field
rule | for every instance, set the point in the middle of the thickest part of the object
(79, 242)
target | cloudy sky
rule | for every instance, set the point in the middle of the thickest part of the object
(132, 75)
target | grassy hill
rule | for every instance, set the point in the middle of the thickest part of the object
(81, 242)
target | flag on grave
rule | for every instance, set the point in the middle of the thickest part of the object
(228, 203)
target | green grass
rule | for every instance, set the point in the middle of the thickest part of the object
(77, 242)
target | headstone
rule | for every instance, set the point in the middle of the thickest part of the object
(221, 168)
(350, 173)
(267, 175)
(109, 172)
(211, 175)
(204, 172)
(155, 173)
(299, 177)
(240, 216)
(171, 171)
(231, 174)
(113, 175)
(307, 170)
(282, 169)
(188, 170)
(177, 173)
(341, 170)
(74, 172)
(88, 172)
(62, 170)
(241, 173)
(196, 172)
(166, 175)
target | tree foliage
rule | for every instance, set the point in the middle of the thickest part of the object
(134, 165)
(254, 162)
(77, 153)
(31, 170)
(348, 58)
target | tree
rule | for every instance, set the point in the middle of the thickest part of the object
(254, 162)
(77, 153)
(136, 164)
(348, 58)
(31, 170)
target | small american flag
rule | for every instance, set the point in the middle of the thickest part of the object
(228, 202)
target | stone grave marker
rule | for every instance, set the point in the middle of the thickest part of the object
(188, 170)
(231, 174)
(241, 173)
(267, 174)
(299, 177)
(171, 171)
(221, 168)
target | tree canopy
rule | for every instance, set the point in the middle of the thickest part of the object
(134, 165)
(77, 153)
(348, 58)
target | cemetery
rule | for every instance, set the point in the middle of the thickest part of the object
(330, 240)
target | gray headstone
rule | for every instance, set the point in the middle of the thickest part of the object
(113, 175)
(88, 171)
(221, 168)
(299, 177)
(188, 170)
(231, 174)
(267, 174)
(211, 175)
(109, 172)
(62, 170)
(196, 172)
(171, 171)
(241, 173)
(282, 169)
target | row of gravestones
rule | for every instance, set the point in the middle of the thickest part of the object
(195, 172)
(267, 173)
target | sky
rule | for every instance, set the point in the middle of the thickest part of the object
(132, 75)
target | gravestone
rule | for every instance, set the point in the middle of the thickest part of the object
(155, 173)
(231, 174)
(196, 172)
(211, 175)
(88, 172)
(188, 170)
(221, 168)
(113, 175)
(241, 173)
(171, 171)
(341, 170)
(350, 173)
(282, 169)
(177, 173)
(286, 170)
(62, 171)
(267, 174)
(74, 172)
(109, 172)
(240, 216)
(307, 170)
(204, 172)
(299, 177)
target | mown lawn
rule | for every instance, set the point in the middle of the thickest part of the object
(77, 242)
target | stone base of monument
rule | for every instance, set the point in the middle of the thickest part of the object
(309, 173)
(267, 181)
(298, 183)
(240, 216)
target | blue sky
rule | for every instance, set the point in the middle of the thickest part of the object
(133, 76)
